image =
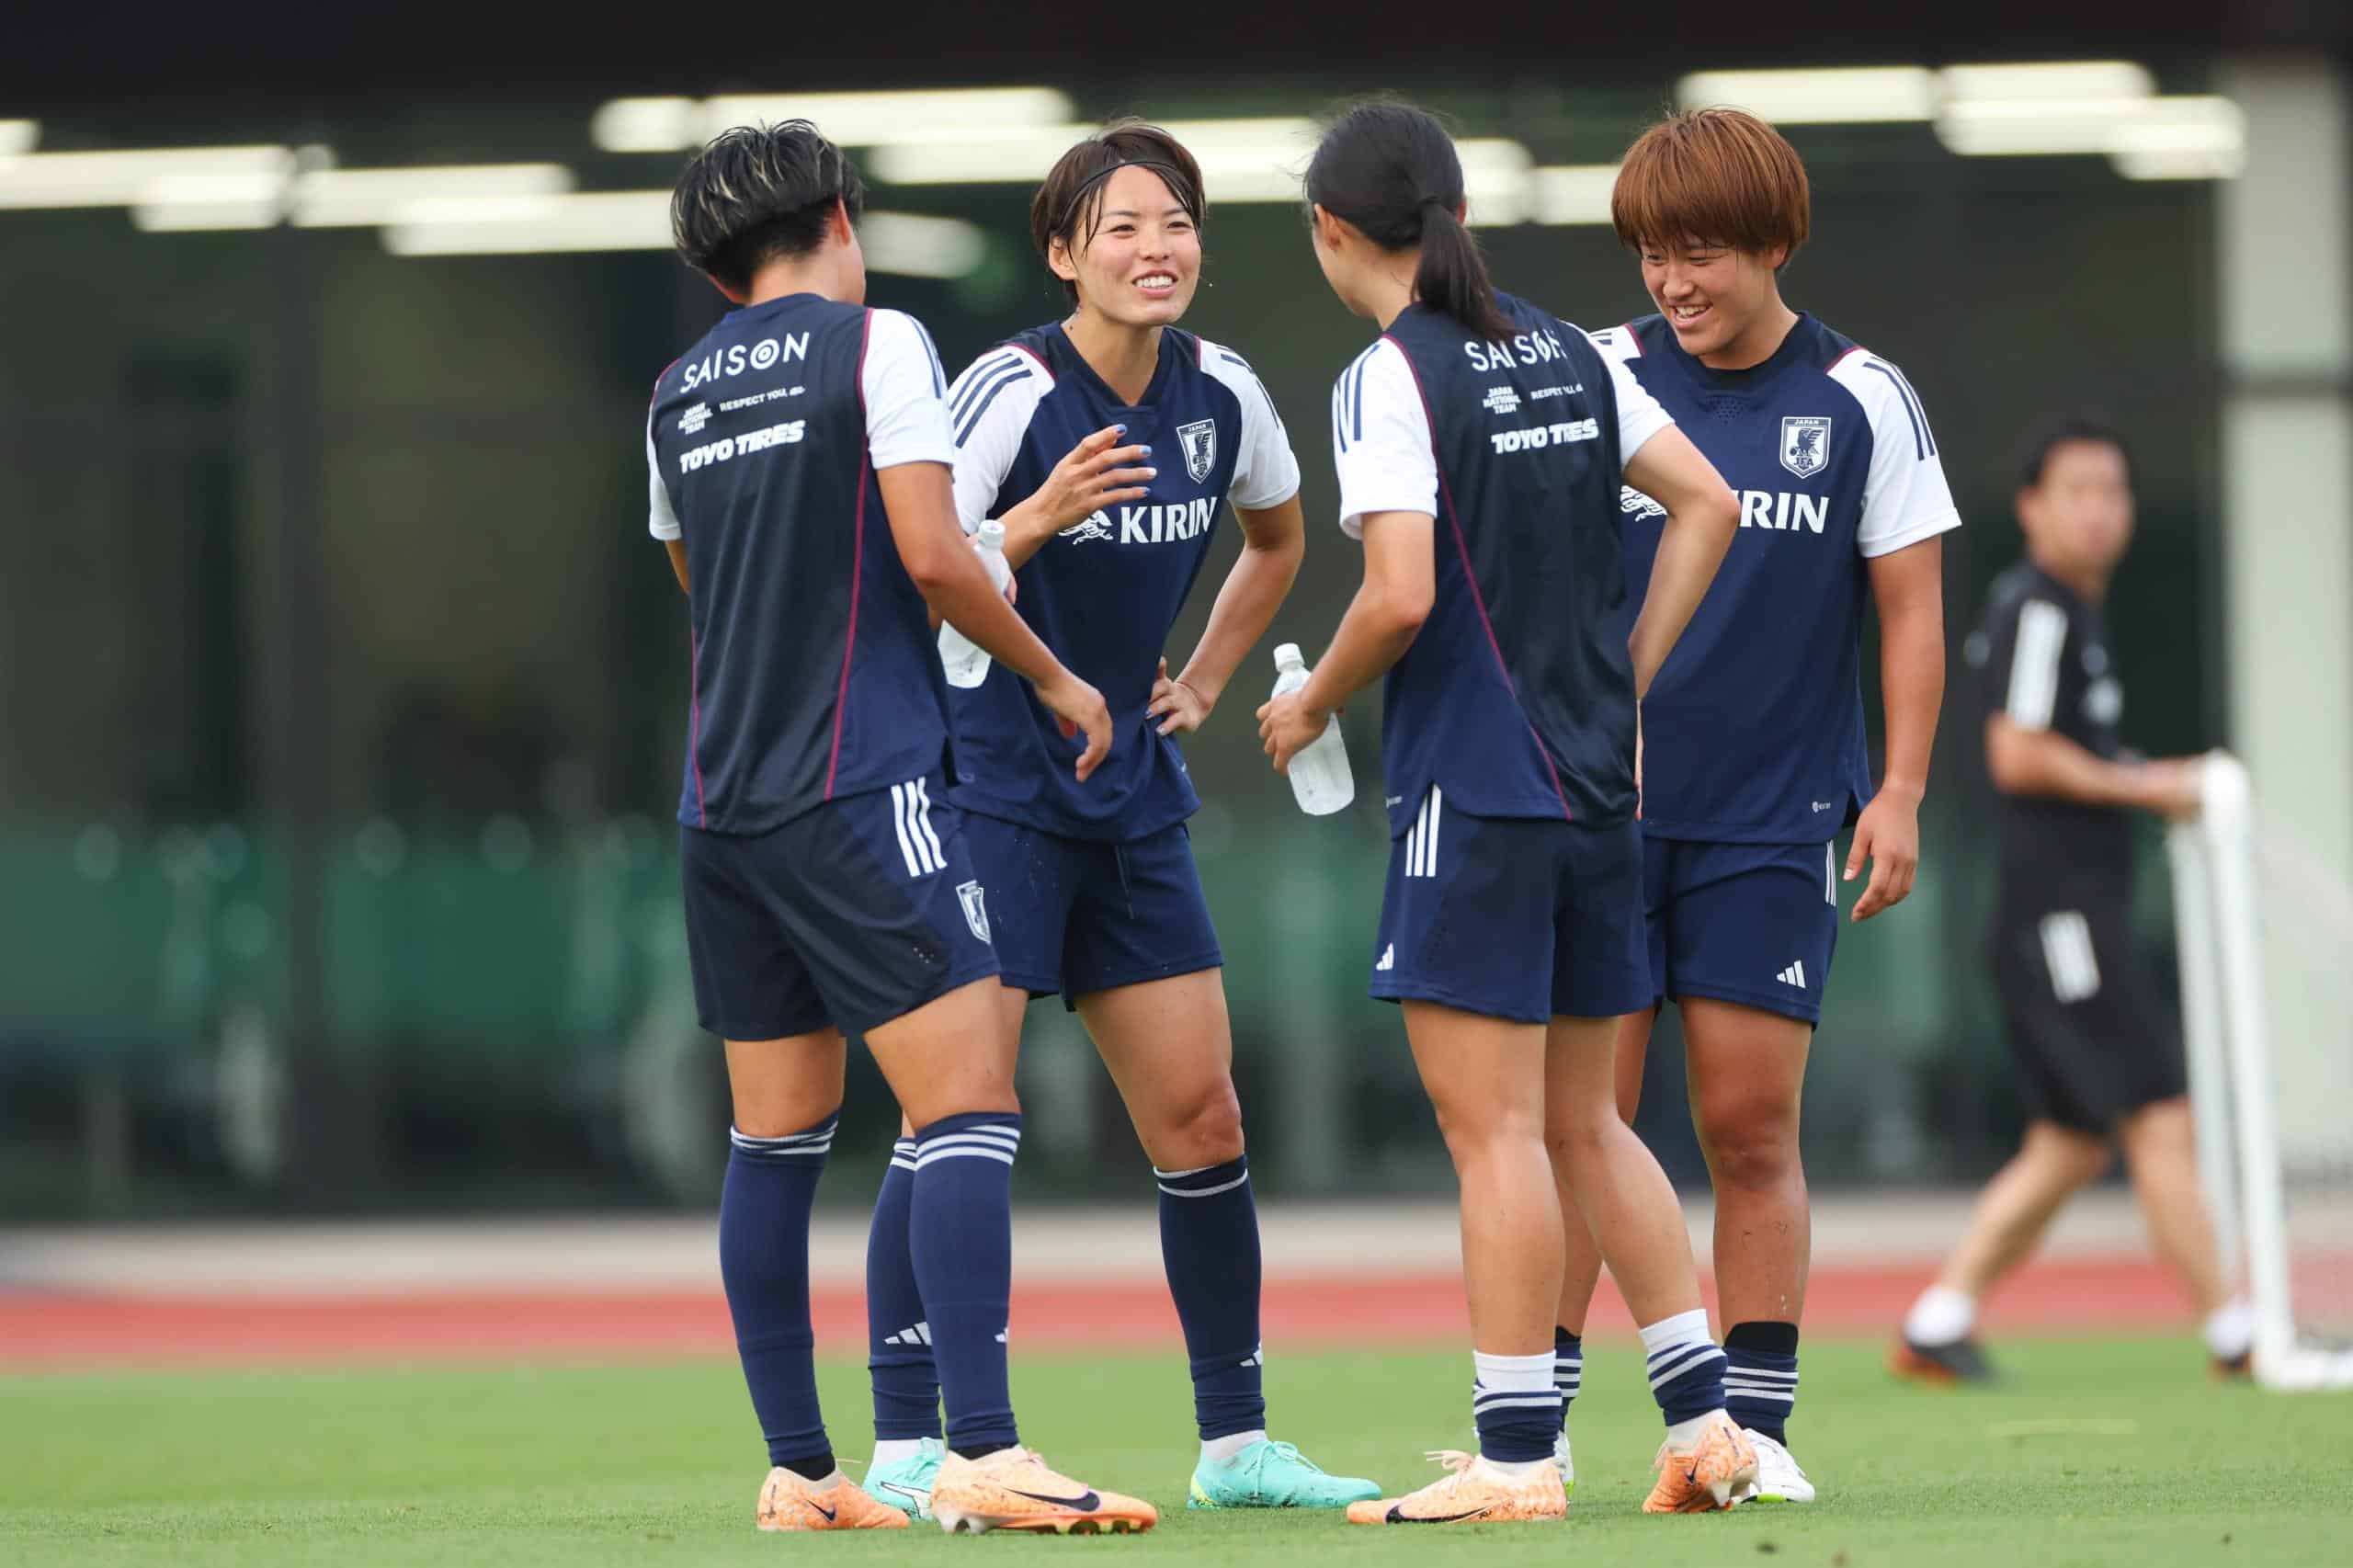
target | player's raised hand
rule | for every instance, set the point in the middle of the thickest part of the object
(1097, 473)
(1888, 834)
(1077, 707)
(1178, 706)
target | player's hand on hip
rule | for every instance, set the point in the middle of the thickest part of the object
(1888, 834)
(1178, 706)
(1288, 726)
(1079, 708)
(1097, 473)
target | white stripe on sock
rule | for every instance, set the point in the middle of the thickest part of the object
(1204, 1191)
(1697, 1354)
(962, 1153)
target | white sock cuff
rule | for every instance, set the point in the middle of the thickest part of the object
(2229, 1330)
(1940, 1316)
(1683, 1328)
(1513, 1374)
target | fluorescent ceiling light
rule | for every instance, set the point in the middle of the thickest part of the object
(1003, 155)
(1573, 193)
(363, 197)
(2183, 138)
(2050, 80)
(916, 247)
(1848, 96)
(853, 120)
(182, 215)
(131, 178)
(2004, 127)
(2186, 130)
(644, 125)
(19, 136)
(1494, 180)
(604, 220)
(899, 242)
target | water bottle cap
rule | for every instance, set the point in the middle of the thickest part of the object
(1288, 654)
(991, 534)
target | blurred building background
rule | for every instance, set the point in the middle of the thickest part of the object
(342, 693)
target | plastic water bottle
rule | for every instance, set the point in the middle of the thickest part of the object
(1319, 774)
(966, 664)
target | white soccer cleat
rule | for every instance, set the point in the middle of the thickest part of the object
(1778, 1478)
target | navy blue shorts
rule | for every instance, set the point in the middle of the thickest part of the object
(851, 914)
(1753, 924)
(1075, 915)
(1514, 917)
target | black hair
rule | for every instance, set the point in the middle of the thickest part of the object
(1071, 196)
(1391, 169)
(758, 193)
(2034, 451)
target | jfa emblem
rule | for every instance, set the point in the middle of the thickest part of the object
(976, 910)
(1805, 445)
(1200, 442)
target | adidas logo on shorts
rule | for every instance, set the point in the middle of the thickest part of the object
(1388, 958)
(1793, 975)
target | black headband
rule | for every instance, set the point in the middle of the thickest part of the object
(1170, 172)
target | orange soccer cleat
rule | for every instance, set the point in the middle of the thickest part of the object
(1472, 1492)
(792, 1502)
(1705, 1479)
(1016, 1490)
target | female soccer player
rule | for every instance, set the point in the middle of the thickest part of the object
(1106, 444)
(1481, 444)
(801, 461)
(1753, 745)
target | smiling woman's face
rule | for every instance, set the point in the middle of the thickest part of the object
(1143, 262)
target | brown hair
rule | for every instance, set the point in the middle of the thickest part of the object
(1071, 198)
(1719, 176)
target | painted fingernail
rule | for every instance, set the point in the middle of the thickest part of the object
(1152, 473)
(1144, 451)
(1120, 430)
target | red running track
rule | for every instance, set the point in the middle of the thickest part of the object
(52, 1331)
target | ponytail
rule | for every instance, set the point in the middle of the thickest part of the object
(1452, 278)
(1391, 170)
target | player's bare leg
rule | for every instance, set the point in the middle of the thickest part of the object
(1580, 1259)
(1485, 1079)
(2051, 1165)
(1169, 1048)
(1629, 1206)
(2160, 1151)
(1748, 1077)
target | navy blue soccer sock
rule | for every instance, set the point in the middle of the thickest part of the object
(1568, 1369)
(1687, 1369)
(764, 1263)
(961, 1236)
(1209, 1243)
(1515, 1406)
(898, 1340)
(1761, 1381)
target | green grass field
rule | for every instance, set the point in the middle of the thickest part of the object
(2100, 1452)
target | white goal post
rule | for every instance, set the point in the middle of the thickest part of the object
(2264, 943)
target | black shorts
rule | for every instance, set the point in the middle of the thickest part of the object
(851, 914)
(2094, 1040)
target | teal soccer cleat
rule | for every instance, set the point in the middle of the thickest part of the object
(905, 1484)
(1272, 1475)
